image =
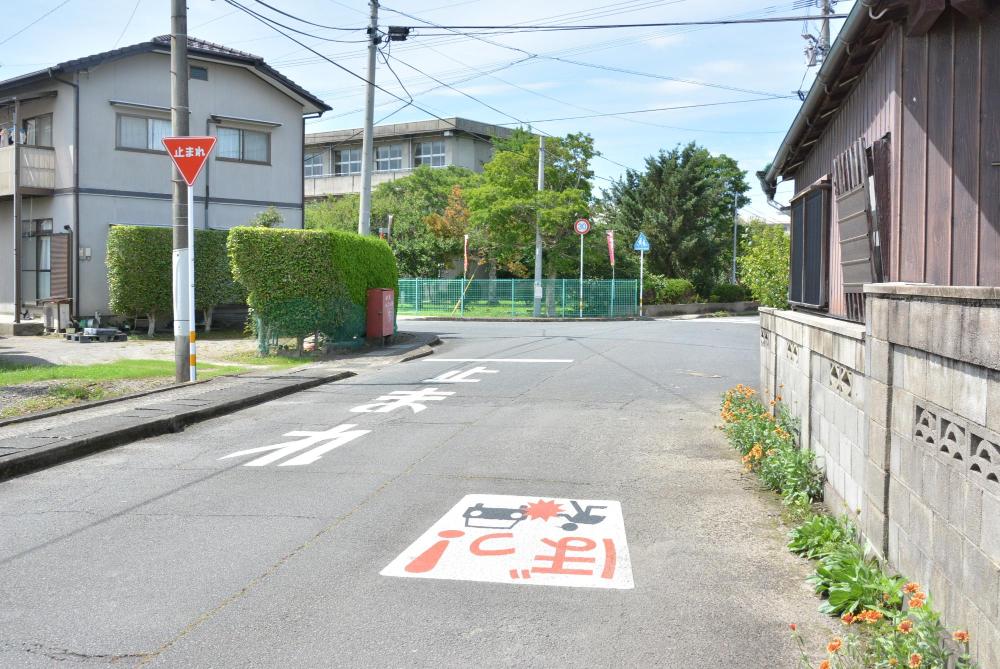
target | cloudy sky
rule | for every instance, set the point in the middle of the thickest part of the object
(733, 84)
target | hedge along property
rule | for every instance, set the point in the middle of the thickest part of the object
(140, 273)
(902, 405)
(305, 282)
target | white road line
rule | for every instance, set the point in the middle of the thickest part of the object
(436, 359)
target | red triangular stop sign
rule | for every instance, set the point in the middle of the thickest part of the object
(189, 154)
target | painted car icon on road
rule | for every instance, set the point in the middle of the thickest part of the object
(493, 518)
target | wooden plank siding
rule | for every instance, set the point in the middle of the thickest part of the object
(937, 95)
(869, 111)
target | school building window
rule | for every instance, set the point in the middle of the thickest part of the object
(388, 157)
(347, 161)
(428, 153)
(314, 165)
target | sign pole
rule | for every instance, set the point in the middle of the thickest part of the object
(642, 256)
(191, 315)
(581, 276)
(179, 123)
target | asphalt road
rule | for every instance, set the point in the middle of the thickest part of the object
(167, 553)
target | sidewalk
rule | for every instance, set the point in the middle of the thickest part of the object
(31, 443)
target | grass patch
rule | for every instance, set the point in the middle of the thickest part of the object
(280, 361)
(12, 374)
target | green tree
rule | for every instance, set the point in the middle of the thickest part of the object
(269, 218)
(764, 263)
(506, 202)
(334, 213)
(684, 203)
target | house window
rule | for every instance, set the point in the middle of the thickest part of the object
(200, 73)
(388, 157)
(810, 230)
(313, 165)
(41, 230)
(428, 153)
(347, 161)
(38, 130)
(246, 146)
(141, 133)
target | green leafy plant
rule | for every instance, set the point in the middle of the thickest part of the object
(213, 279)
(269, 218)
(852, 582)
(309, 282)
(140, 264)
(764, 264)
(728, 292)
(818, 535)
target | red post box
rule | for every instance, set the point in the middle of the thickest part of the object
(381, 313)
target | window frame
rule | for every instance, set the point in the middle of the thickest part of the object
(24, 129)
(390, 159)
(419, 158)
(200, 68)
(118, 133)
(337, 162)
(306, 165)
(802, 224)
(242, 132)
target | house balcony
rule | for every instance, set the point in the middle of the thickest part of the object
(37, 170)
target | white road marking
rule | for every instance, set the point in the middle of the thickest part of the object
(458, 376)
(524, 540)
(403, 398)
(435, 359)
(335, 437)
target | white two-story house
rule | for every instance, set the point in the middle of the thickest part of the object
(84, 137)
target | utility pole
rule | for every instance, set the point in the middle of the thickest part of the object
(826, 8)
(538, 229)
(180, 127)
(736, 229)
(368, 144)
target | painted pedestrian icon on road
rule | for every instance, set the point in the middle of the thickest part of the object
(523, 540)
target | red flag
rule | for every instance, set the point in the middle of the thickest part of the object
(611, 246)
(189, 154)
(465, 263)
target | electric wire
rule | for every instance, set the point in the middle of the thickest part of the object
(9, 38)
(127, 24)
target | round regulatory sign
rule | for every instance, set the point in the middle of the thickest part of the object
(582, 226)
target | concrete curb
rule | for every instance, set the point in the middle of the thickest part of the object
(43, 457)
(527, 320)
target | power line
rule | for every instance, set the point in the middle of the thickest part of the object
(64, 2)
(127, 23)
(307, 22)
(656, 109)
(261, 17)
(512, 29)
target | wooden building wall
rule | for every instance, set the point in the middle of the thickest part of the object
(870, 111)
(939, 97)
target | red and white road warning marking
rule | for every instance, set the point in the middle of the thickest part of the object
(526, 540)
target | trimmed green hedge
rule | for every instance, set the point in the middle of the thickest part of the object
(140, 268)
(729, 292)
(301, 282)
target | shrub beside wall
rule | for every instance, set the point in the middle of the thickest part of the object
(140, 272)
(301, 282)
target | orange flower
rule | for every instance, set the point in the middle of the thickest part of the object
(834, 645)
(871, 616)
(916, 602)
(915, 660)
(793, 627)
(848, 618)
(905, 627)
(961, 636)
(911, 587)
(825, 664)
(893, 662)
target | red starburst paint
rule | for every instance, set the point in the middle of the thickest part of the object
(542, 510)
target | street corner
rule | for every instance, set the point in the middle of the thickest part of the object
(526, 540)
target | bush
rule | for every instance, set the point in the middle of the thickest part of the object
(140, 272)
(140, 267)
(728, 292)
(764, 264)
(269, 218)
(658, 289)
(301, 282)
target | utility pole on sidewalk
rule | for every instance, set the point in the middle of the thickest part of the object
(179, 123)
(368, 144)
(538, 229)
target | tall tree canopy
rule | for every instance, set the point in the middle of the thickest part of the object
(422, 244)
(505, 202)
(684, 203)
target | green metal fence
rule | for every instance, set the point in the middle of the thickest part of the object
(514, 298)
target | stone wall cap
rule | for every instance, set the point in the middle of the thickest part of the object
(828, 323)
(929, 290)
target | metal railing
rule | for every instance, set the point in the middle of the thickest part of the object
(514, 298)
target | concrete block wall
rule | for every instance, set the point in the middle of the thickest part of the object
(904, 414)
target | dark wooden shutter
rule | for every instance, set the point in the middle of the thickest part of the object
(860, 263)
(61, 275)
(882, 170)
